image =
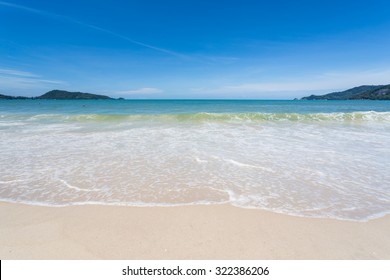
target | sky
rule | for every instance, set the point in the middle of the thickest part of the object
(208, 49)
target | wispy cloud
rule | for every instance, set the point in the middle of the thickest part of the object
(224, 60)
(91, 26)
(12, 72)
(323, 82)
(17, 79)
(369, 76)
(146, 90)
(16, 6)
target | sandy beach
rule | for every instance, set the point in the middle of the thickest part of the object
(185, 232)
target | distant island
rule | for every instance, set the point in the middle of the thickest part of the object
(381, 92)
(62, 95)
(365, 92)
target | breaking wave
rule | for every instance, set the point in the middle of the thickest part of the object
(209, 117)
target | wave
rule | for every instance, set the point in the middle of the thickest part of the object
(207, 117)
(290, 212)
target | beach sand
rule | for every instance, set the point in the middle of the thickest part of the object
(183, 232)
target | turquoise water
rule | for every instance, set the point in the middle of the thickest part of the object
(304, 158)
(153, 107)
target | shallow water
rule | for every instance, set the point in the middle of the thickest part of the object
(305, 158)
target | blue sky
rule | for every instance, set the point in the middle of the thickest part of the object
(193, 49)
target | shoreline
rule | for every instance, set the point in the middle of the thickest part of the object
(227, 203)
(183, 232)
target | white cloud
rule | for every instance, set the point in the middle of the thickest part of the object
(355, 78)
(11, 72)
(324, 82)
(146, 90)
(17, 79)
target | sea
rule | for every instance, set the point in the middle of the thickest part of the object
(319, 159)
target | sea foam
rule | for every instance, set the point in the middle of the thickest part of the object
(334, 165)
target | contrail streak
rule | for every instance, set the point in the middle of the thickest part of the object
(72, 20)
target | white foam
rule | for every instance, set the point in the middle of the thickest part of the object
(313, 169)
(248, 165)
(77, 188)
(200, 160)
(11, 181)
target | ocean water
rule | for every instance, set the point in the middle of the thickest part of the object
(305, 158)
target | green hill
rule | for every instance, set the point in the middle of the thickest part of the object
(62, 94)
(381, 92)
(2, 96)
